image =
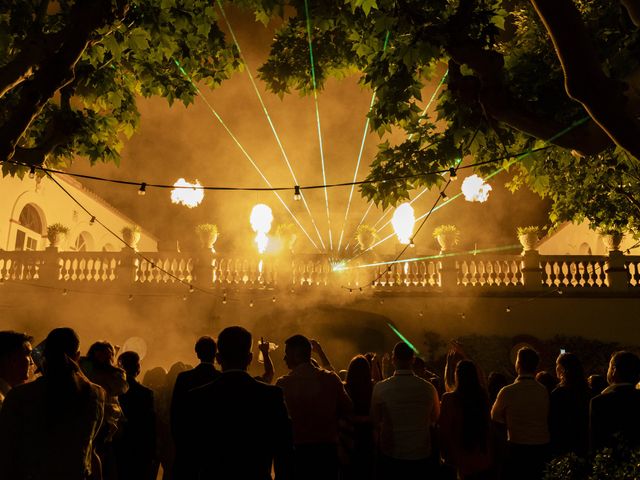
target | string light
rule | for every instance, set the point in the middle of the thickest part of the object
(453, 176)
(143, 189)
(273, 299)
(297, 195)
(412, 244)
(191, 289)
(184, 298)
(443, 195)
(251, 304)
(65, 292)
(130, 297)
(224, 299)
(508, 309)
(32, 172)
(92, 221)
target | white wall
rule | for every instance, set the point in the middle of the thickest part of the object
(54, 206)
(576, 239)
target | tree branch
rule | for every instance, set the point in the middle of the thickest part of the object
(585, 81)
(633, 10)
(58, 70)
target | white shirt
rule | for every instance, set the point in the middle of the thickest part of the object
(524, 407)
(403, 408)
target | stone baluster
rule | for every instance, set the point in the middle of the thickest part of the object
(617, 275)
(531, 271)
(49, 272)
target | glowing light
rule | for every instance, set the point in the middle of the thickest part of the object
(261, 219)
(260, 265)
(189, 197)
(403, 338)
(403, 221)
(475, 189)
(338, 265)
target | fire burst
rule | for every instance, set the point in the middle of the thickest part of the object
(189, 197)
(475, 189)
(403, 221)
(261, 218)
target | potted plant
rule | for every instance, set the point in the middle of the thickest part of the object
(528, 237)
(286, 232)
(208, 235)
(366, 236)
(55, 233)
(447, 236)
(611, 237)
(131, 235)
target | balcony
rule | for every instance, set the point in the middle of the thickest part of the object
(500, 275)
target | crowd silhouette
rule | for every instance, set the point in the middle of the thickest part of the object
(64, 416)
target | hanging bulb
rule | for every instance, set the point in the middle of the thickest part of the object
(92, 221)
(65, 292)
(297, 194)
(411, 244)
(463, 316)
(251, 304)
(224, 299)
(130, 297)
(1, 281)
(453, 176)
(184, 298)
(191, 289)
(508, 309)
(273, 299)
(443, 195)
(420, 314)
(360, 289)
(32, 172)
(143, 189)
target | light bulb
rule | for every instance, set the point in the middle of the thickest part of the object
(273, 299)
(143, 189)
(92, 221)
(508, 309)
(130, 297)
(65, 292)
(224, 299)
(191, 289)
(297, 194)
(453, 176)
(443, 195)
(32, 172)
(251, 304)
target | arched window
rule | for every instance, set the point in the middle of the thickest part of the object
(83, 243)
(584, 249)
(29, 231)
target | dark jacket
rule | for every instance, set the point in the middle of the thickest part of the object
(239, 426)
(135, 446)
(615, 411)
(569, 419)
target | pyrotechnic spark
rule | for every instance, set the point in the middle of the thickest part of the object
(475, 189)
(261, 218)
(403, 221)
(189, 197)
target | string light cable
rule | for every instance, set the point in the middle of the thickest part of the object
(153, 264)
(269, 120)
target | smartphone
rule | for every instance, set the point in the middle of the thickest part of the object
(562, 350)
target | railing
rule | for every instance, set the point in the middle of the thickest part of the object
(531, 271)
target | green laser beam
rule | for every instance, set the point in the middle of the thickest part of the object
(403, 338)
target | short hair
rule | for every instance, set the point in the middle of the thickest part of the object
(61, 343)
(627, 366)
(100, 346)
(206, 349)
(234, 344)
(130, 362)
(403, 352)
(528, 359)
(11, 342)
(300, 346)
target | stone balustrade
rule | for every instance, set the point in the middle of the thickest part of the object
(508, 274)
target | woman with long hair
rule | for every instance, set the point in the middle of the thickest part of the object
(48, 427)
(464, 425)
(356, 439)
(569, 408)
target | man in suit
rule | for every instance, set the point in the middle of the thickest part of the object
(239, 426)
(204, 373)
(136, 444)
(616, 411)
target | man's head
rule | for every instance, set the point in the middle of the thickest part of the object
(624, 367)
(15, 357)
(297, 350)
(206, 349)
(102, 353)
(527, 361)
(403, 356)
(234, 348)
(61, 350)
(130, 363)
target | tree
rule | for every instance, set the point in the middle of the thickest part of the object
(70, 72)
(558, 76)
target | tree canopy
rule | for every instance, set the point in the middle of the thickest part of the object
(557, 77)
(70, 71)
(522, 75)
